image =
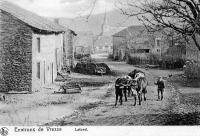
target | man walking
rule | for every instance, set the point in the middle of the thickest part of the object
(161, 86)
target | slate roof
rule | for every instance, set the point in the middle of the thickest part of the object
(31, 19)
(130, 31)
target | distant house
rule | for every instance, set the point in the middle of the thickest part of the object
(84, 43)
(103, 45)
(31, 49)
(136, 41)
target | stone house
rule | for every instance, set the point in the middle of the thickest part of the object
(133, 40)
(136, 41)
(31, 49)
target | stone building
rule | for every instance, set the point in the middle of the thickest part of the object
(31, 49)
(131, 40)
(137, 41)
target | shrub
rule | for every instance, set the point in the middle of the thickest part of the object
(135, 60)
(167, 61)
(110, 56)
(171, 62)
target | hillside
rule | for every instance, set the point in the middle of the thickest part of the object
(115, 22)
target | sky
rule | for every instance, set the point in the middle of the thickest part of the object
(66, 8)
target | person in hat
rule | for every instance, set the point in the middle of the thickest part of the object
(161, 85)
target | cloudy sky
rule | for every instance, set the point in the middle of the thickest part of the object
(65, 8)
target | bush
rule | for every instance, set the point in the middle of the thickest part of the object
(171, 62)
(81, 56)
(110, 56)
(154, 60)
(133, 60)
(138, 60)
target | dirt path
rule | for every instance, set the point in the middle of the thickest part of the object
(103, 111)
(95, 105)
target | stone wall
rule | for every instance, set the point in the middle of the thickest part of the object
(15, 54)
(68, 49)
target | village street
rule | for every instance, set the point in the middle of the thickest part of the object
(95, 105)
(152, 112)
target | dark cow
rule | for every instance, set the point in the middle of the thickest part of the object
(134, 72)
(122, 85)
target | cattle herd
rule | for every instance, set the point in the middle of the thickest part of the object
(134, 84)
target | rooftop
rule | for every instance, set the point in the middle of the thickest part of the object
(31, 19)
(130, 31)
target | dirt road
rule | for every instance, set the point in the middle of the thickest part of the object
(151, 112)
(95, 105)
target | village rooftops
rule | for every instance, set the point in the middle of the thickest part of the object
(38, 23)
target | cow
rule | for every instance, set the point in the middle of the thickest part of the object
(141, 88)
(141, 84)
(133, 73)
(122, 85)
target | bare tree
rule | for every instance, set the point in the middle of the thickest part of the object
(182, 16)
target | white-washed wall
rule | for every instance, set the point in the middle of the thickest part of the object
(49, 57)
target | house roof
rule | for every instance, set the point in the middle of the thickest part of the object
(130, 31)
(31, 19)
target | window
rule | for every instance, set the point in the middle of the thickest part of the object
(147, 50)
(38, 70)
(38, 44)
(158, 42)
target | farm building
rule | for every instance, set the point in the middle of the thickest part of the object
(31, 49)
(136, 41)
(131, 40)
(69, 43)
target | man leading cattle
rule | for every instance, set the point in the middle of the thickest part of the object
(135, 82)
(122, 84)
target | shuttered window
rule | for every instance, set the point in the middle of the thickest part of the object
(38, 44)
(38, 70)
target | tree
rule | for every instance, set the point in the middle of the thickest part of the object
(182, 16)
